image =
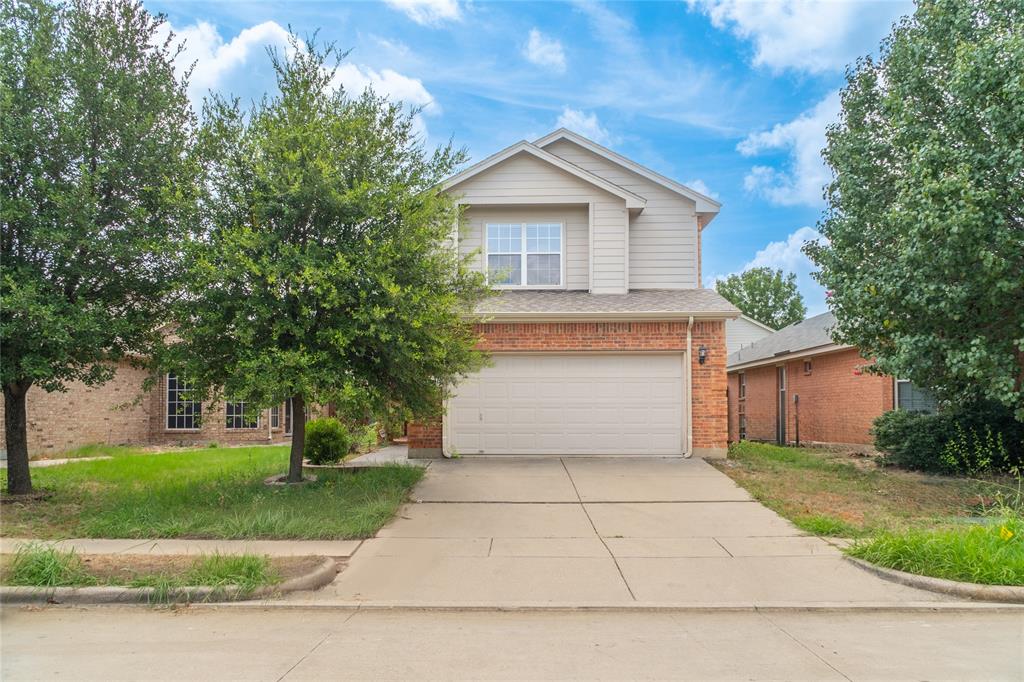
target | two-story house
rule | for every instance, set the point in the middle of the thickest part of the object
(602, 339)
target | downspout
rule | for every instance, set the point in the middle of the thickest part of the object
(689, 389)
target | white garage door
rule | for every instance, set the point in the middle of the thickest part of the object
(616, 404)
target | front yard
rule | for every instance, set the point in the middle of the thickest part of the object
(946, 527)
(207, 493)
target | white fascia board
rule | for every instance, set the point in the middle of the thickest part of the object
(786, 357)
(706, 206)
(632, 200)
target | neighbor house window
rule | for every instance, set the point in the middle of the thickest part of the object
(807, 367)
(238, 417)
(524, 254)
(743, 386)
(913, 399)
(288, 416)
(183, 412)
(743, 426)
(275, 417)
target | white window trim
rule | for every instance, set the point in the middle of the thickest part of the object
(167, 411)
(742, 387)
(523, 255)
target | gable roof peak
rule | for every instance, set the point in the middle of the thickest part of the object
(706, 206)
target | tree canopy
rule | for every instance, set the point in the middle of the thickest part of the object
(766, 295)
(924, 248)
(326, 271)
(96, 190)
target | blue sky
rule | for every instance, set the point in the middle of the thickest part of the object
(729, 96)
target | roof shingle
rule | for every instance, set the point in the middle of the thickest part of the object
(813, 332)
(551, 303)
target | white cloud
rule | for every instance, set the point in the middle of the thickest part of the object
(700, 186)
(544, 51)
(215, 60)
(586, 125)
(428, 12)
(241, 65)
(787, 255)
(807, 35)
(355, 79)
(802, 139)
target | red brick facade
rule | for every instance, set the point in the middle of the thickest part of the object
(709, 407)
(838, 400)
(120, 413)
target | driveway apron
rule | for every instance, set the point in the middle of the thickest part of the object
(587, 531)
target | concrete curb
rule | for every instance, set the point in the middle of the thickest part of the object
(315, 579)
(990, 593)
(555, 607)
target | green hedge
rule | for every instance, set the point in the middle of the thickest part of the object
(967, 441)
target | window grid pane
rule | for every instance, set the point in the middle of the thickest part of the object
(182, 411)
(236, 417)
(544, 238)
(543, 269)
(275, 417)
(504, 269)
(504, 238)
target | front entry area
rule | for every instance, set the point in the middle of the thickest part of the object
(570, 404)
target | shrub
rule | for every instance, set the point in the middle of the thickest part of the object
(327, 441)
(966, 440)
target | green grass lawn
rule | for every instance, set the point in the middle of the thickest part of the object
(207, 493)
(946, 527)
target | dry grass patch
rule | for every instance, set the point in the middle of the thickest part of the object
(835, 493)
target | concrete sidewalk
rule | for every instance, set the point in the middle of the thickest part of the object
(599, 532)
(116, 643)
(277, 548)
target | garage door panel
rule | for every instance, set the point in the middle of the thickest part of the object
(570, 404)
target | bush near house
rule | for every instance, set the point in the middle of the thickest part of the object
(965, 441)
(328, 441)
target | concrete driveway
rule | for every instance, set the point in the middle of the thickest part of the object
(597, 532)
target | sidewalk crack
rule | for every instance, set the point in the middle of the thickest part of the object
(594, 527)
(801, 644)
(317, 645)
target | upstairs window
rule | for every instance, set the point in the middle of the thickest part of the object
(182, 411)
(238, 417)
(524, 254)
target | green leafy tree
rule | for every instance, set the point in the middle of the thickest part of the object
(925, 222)
(327, 272)
(96, 186)
(766, 295)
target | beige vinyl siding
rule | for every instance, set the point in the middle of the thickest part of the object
(663, 247)
(741, 332)
(524, 180)
(573, 217)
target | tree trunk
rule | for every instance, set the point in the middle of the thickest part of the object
(298, 439)
(19, 478)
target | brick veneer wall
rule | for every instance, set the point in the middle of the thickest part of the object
(838, 400)
(120, 413)
(710, 408)
(116, 413)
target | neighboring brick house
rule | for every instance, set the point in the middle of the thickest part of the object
(797, 385)
(601, 338)
(120, 413)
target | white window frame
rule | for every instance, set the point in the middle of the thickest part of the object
(228, 418)
(742, 386)
(523, 255)
(275, 417)
(197, 415)
(896, 393)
